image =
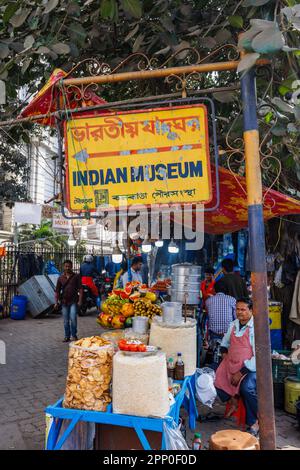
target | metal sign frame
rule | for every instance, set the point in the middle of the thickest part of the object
(162, 105)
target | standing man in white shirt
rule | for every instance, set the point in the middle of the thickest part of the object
(136, 266)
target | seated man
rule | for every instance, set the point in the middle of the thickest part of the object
(236, 374)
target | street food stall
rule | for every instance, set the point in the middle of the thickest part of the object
(104, 372)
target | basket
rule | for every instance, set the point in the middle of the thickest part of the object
(282, 368)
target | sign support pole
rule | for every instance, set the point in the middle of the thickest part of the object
(258, 264)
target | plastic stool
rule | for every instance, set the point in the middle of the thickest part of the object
(240, 413)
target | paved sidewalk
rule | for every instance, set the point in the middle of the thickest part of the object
(35, 375)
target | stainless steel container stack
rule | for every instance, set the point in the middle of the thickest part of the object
(186, 279)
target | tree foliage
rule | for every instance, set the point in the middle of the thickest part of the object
(13, 172)
(38, 35)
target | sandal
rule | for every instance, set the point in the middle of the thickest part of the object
(233, 408)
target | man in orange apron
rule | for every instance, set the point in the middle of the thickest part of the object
(236, 375)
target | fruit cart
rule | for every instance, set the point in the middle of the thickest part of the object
(122, 305)
(185, 397)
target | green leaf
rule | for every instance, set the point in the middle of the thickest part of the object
(236, 21)
(4, 75)
(224, 96)
(26, 138)
(50, 6)
(25, 65)
(163, 51)
(279, 130)
(297, 113)
(223, 36)
(78, 33)
(132, 33)
(268, 117)
(290, 162)
(137, 43)
(133, 7)
(208, 42)
(61, 48)
(108, 9)
(10, 11)
(2, 92)
(29, 41)
(292, 129)
(296, 23)
(282, 105)
(43, 50)
(268, 41)
(4, 50)
(19, 18)
(255, 3)
(245, 39)
(248, 61)
(283, 90)
(261, 25)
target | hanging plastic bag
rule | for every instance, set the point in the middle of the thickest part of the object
(205, 389)
(278, 278)
(174, 439)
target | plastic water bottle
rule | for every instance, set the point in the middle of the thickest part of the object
(197, 442)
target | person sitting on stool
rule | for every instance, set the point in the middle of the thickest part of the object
(236, 375)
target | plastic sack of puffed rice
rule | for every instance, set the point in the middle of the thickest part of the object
(172, 339)
(140, 385)
(89, 374)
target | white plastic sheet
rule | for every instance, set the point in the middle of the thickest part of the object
(174, 439)
(205, 389)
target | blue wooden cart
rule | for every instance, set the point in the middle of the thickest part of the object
(186, 398)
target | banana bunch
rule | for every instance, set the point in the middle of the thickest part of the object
(145, 308)
(114, 306)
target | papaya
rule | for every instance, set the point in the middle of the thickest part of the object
(118, 321)
(104, 319)
(127, 310)
(135, 296)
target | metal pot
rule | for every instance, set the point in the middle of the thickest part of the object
(140, 325)
(191, 297)
(193, 278)
(171, 312)
(186, 269)
(184, 284)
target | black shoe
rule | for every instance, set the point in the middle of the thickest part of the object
(66, 340)
(74, 338)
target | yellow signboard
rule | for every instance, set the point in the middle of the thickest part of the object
(158, 156)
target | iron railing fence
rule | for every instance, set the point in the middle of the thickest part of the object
(19, 264)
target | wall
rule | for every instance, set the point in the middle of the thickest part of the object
(43, 169)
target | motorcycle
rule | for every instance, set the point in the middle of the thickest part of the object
(89, 300)
(107, 286)
(104, 285)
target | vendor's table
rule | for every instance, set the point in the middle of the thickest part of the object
(186, 398)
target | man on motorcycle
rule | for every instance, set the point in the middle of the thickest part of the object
(88, 272)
